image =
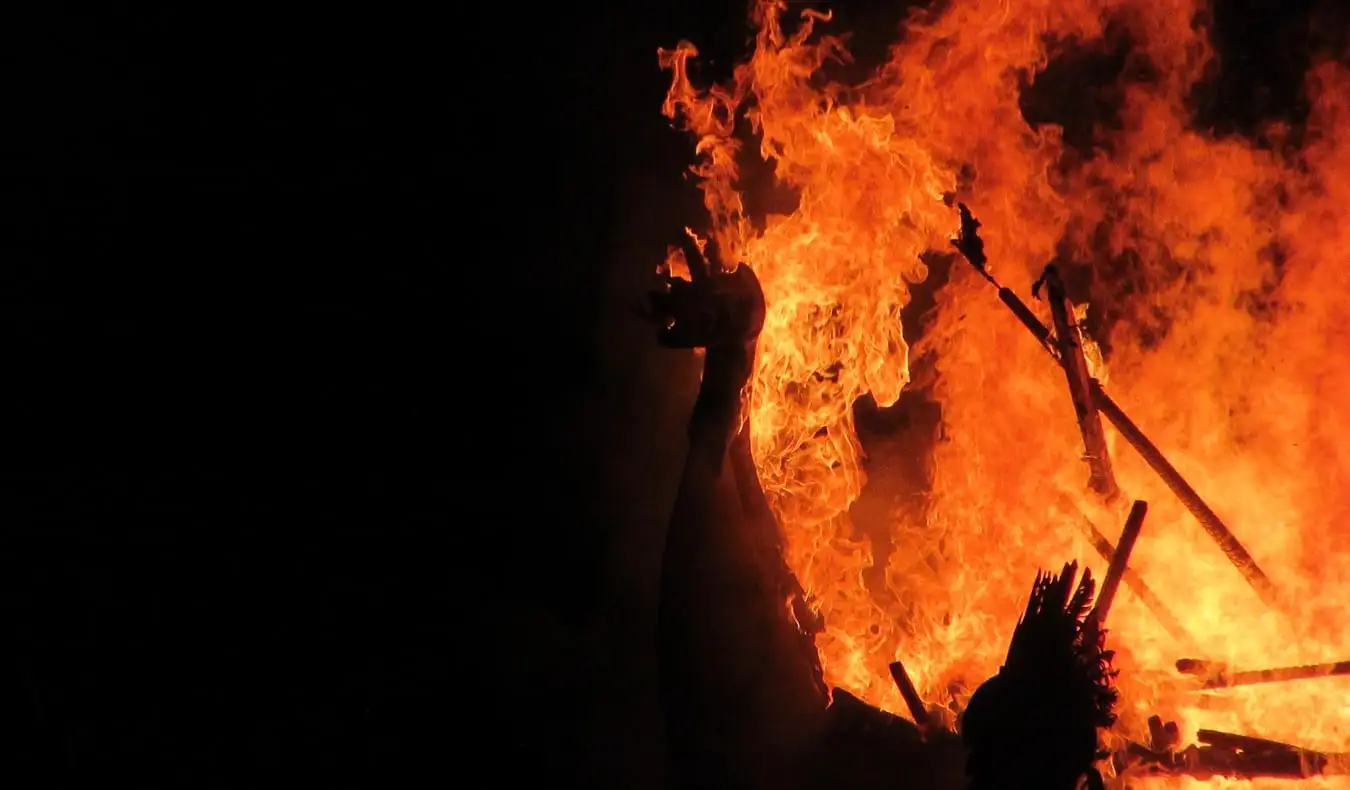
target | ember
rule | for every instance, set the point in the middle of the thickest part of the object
(1214, 271)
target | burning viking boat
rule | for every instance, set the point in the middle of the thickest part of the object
(1206, 380)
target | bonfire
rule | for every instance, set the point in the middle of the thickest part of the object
(1154, 318)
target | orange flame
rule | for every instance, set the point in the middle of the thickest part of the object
(1220, 260)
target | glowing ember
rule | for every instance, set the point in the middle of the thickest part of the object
(1219, 262)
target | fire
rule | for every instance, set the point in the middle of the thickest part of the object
(1219, 263)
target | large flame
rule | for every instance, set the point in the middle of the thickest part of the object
(1219, 261)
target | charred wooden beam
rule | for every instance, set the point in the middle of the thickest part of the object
(913, 701)
(1217, 675)
(1246, 743)
(1163, 736)
(1120, 561)
(1251, 757)
(1101, 475)
(1223, 754)
(972, 248)
(1200, 762)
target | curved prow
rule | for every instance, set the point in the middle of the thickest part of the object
(740, 684)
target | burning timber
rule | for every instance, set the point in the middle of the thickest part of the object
(1150, 599)
(1215, 675)
(1218, 754)
(1102, 479)
(1226, 755)
(1119, 562)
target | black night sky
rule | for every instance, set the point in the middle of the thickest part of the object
(331, 444)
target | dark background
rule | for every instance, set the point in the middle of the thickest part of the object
(331, 446)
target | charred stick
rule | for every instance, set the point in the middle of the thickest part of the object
(1217, 676)
(1102, 478)
(1120, 561)
(1207, 762)
(1136, 583)
(911, 696)
(1284, 674)
(972, 248)
(1029, 320)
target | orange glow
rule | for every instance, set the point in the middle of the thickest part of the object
(1234, 365)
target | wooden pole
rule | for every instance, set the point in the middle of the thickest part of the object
(1120, 561)
(911, 697)
(1136, 583)
(1218, 676)
(1069, 339)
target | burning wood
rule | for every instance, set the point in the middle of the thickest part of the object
(1119, 562)
(1163, 737)
(912, 699)
(971, 248)
(1150, 599)
(1102, 478)
(1217, 675)
(1224, 754)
